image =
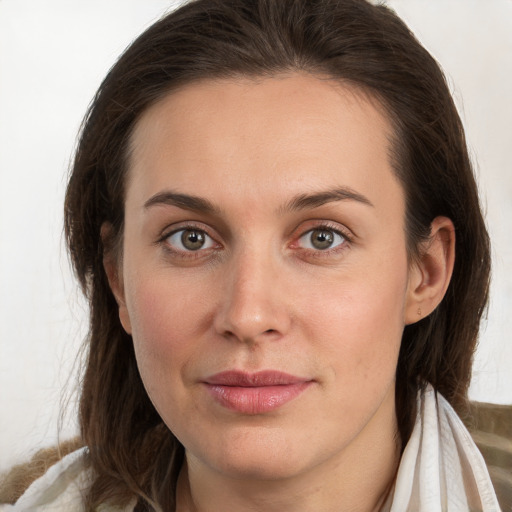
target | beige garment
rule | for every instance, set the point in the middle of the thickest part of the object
(441, 471)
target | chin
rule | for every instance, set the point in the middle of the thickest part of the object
(260, 467)
(260, 453)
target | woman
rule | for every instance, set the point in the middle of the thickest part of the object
(274, 218)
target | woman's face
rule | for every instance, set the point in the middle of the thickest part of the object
(264, 276)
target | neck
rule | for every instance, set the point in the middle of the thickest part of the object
(359, 480)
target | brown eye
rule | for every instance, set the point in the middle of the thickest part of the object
(190, 240)
(321, 239)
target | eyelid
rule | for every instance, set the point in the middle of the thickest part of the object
(186, 226)
(308, 243)
(341, 230)
(208, 240)
(180, 226)
(328, 225)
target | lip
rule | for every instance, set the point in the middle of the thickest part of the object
(255, 393)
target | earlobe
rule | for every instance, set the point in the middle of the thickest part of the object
(430, 274)
(113, 270)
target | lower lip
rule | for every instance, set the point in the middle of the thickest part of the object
(257, 399)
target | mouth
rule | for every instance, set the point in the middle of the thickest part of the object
(255, 393)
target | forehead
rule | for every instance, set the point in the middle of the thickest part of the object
(296, 131)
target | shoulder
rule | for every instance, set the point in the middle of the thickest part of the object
(60, 488)
(54, 480)
(491, 429)
(16, 481)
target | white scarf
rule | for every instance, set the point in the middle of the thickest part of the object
(441, 470)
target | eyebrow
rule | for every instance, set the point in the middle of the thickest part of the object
(305, 201)
(297, 203)
(185, 201)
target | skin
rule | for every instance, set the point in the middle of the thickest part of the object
(258, 295)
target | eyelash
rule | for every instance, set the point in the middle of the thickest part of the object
(326, 226)
(316, 253)
(184, 254)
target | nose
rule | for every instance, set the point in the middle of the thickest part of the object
(254, 305)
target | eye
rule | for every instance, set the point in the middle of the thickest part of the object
(190, 240)
(321, 239)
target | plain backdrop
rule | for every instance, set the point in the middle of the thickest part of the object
(53, 55)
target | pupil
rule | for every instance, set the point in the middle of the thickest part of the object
(192, 240)
(322, 239)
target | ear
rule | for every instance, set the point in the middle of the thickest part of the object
(430, 274)
(112, 264)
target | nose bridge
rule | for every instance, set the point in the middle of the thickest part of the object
(253, 304)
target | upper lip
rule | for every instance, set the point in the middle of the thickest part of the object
(257, 379)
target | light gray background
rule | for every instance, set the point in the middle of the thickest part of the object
(53, 55)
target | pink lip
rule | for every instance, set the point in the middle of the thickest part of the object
(255, 393)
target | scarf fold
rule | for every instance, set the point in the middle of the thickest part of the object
(441, 468)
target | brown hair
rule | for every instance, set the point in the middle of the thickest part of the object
(131, 450)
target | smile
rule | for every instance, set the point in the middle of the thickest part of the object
(255, 393)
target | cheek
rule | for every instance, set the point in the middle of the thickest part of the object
(363, 315)
(163, 309)
(164, 322)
